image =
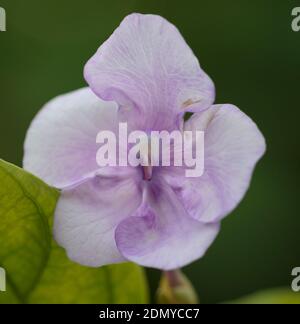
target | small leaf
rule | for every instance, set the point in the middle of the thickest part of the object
(271, 296)
(37, 270)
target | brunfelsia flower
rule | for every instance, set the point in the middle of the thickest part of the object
(147, 75)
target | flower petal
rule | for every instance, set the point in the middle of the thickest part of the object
(160, 234)
(147, 64)
(233, 145)
(87, 215)
(60, 145)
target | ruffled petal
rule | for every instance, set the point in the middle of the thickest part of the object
(87, 215)
(60, 145)
(160, 234)
(233, 145)
(147, 65)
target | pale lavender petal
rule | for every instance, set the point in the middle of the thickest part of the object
(233, 145)
(87, 215)
(60, 145)
(147, 64)
(160, 234)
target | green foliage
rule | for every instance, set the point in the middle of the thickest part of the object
(271, 296)
(37, 270)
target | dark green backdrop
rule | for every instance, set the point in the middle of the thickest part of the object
(249, 50)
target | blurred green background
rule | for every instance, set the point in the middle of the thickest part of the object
(253, 56)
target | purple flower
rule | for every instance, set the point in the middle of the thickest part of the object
(149, 77)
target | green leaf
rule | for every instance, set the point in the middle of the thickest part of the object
(271, 296)
(37, 270)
